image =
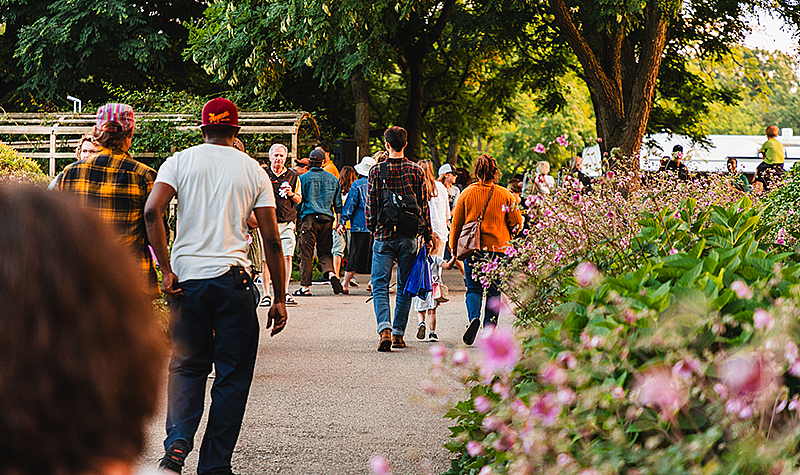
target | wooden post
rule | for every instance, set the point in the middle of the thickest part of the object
(294, 146)
(53, 133)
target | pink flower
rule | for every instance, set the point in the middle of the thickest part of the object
(673, 251)
(794, 403)
(460, 358)
(554, 374)
(586, 273)
(500, 350)
(794, 370)
(566, 358)
(565, 397)
(741, 289)
(733, 406)
(746, 412)
(618, 393)
(474, 448)
(721, 390)
(563, 460)
(611, 214)
(486, 470)
(379, 465)
(546, 409)
(504, 208)
(562, 141)
(437, 353)
(610, 175)
(599, 140)
(576, 199)
(659, 388)
(762, 319)
(504, 443)
(539, 148)
(685, 367)
(790, 352)
(482, 404)
(500, 389)
(748, 375)
(493, 424)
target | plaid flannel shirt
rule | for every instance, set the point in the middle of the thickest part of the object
(403, 176)
(117, 186)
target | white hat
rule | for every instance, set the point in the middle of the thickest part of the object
(366, 163)
(446, 168)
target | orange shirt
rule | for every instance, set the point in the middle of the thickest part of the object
(502, 215)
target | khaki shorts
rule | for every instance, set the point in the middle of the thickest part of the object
(288, 237)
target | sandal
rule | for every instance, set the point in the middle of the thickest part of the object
(266, 301)
(290, 301)
(302, 292)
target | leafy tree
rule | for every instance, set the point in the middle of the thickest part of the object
(62, 47)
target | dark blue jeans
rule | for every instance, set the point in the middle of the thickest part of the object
(213, 322)
(474, 295)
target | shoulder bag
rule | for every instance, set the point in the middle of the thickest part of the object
(469, 240)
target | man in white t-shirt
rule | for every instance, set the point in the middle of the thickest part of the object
(211, 295)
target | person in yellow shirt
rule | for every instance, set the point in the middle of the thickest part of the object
(772, 156)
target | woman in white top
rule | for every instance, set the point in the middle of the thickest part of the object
(438, 205)
(544, 182)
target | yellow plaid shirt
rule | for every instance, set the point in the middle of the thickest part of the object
(117, 186)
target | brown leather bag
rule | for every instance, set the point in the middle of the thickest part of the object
(469, 240)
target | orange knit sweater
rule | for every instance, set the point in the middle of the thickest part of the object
(497, 224)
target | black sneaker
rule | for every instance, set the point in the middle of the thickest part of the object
(472, 331)
(175, 456)
(336, 284)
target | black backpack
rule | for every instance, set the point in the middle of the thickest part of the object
(399, 212)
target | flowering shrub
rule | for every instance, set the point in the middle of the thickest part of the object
(649, 373)
(605, 226)
(18, 169)
(685, 364)
(782, 209)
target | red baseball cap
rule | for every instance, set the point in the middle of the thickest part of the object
(220, 111)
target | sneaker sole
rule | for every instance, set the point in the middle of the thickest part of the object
(421, 331)
(472, 331)
(337, 286)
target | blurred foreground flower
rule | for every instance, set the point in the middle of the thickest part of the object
(379, 465)
(500, 350)
(658, 387)
(586, 274)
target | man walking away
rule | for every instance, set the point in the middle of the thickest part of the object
(396, 180)
(115, 184)
(322, 197)
(211, 295)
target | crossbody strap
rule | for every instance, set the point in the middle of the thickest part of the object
(480, 219)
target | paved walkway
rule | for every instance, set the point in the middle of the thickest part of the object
(324, 401)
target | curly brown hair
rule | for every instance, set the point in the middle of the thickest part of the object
(486, 168)
(81, 353)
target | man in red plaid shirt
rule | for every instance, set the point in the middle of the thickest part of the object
(393, 243)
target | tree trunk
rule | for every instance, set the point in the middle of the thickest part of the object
(452, 150)
(414, 58)
(622, 89)
(361, 95)
(434, 149)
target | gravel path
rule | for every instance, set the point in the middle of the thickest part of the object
(324, 401)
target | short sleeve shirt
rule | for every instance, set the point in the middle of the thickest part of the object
(217, 187)
(773, 152)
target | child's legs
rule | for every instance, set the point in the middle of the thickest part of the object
(432, 319)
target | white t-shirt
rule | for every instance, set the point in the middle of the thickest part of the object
(439, 208)
(217, 187)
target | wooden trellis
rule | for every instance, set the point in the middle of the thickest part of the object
(73, 126)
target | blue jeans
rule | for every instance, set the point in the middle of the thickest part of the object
(474, 295)
(213, 322)
(384, 255)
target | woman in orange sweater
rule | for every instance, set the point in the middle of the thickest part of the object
(501, 218)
